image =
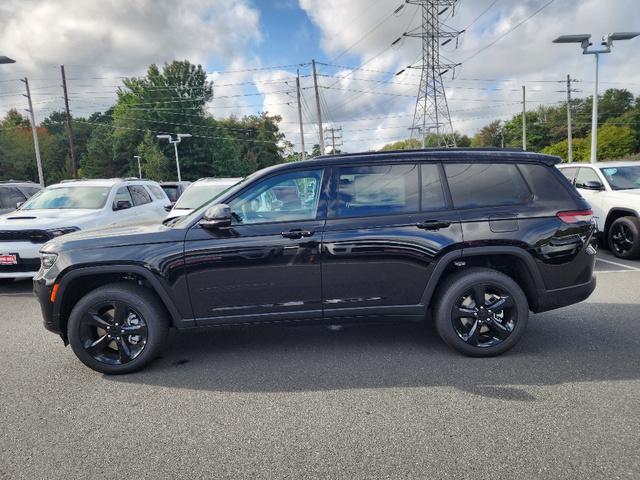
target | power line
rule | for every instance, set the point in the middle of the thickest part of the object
(489, 45)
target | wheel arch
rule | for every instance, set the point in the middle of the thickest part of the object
(515, 262)
(77, 283)
(616, 213)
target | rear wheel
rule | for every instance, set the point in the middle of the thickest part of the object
(481, 312)
(624, 237)
(118, 328)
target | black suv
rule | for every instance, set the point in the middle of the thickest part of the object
(473, 238)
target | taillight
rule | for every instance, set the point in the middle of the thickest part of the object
(575, 216)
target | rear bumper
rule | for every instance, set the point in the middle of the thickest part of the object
(562, 297)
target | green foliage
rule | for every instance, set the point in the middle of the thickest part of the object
(408, 144)
(155, 165)
(614, 142)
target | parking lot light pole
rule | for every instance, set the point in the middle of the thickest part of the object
(604, 47)
(137, 157)
(175, 142)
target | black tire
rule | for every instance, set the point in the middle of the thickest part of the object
(624, 237)
(491, 331)
(145, 323)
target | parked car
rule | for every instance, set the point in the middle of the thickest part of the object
(478, 238)
(613, 190)
(13, 193)
(199, 192)
(68, 207)
(174, 190)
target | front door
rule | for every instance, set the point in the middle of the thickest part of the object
(266, 266)
(383, 231)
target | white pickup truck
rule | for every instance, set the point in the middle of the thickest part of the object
(613, 190)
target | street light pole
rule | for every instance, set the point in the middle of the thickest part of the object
(594, 114)
(137, 157)
(175, 142)
(605, 47)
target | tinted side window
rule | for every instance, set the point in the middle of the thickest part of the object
(139, 194)
(29, 191)
(283, 198)
(157, 192)
(377, 190)
(586, 174)
(484, 185)
(122, 195)
(432, 189)
(10, 196)
(548, 186)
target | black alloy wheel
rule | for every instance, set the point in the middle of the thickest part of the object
(624, 237)
(480, 312)
(113, 333)
(118, 328)
(484, 316)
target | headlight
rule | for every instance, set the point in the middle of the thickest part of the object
(48, 259)
(56, 232)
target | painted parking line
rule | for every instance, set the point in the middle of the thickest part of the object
(622, 265)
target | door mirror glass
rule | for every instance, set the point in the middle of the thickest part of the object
(122, 205)
(216, 216)
(593, 185)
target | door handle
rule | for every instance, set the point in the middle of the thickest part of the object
(297, 233)
(432, 225)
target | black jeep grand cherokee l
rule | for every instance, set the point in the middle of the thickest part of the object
(477, 238)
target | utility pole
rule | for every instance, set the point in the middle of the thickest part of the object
(303, 153)
(524, 119)
(315, 85)
(332, 131)
(74, 164)
(432, 109)
(34, 130)
(569, 135)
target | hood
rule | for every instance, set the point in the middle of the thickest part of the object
(178, 212)
(48, 218)
(119, 236)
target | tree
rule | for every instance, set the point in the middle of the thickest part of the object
(154, 164)
(99, 161)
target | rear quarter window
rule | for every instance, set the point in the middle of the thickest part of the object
(475, 185)
(547, 185)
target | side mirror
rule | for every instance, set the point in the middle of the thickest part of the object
(167, 208)
(593, 185)
(216, 216)
(19, 204)
(122, 205)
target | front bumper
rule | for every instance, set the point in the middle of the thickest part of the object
(50, 319)
(28, 259)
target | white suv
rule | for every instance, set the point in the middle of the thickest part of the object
(70, 206)
(613, 190)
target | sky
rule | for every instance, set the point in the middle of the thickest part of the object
(252, 50)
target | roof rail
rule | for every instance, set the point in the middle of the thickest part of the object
(16, 181)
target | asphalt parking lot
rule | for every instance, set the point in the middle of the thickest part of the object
(365, 402)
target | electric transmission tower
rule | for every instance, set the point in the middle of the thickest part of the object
(432, 111)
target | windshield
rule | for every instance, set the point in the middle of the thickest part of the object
(622, 178)
(68, 198)
(196, 195)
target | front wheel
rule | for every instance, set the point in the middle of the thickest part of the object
(481, 312)
(624, 237)
(117, 328)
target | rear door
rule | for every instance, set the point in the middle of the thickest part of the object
(379, 244)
